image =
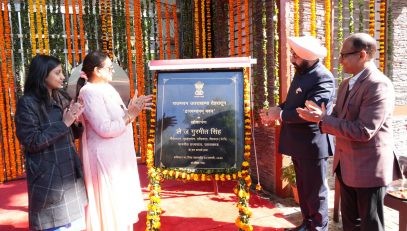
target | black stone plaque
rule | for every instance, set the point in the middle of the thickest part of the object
(200, 120)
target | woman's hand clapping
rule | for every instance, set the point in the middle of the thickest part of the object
(72, 113)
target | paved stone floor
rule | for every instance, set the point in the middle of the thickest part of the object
(292, 212)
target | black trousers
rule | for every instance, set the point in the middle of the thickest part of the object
(361, 208)
(312, 191)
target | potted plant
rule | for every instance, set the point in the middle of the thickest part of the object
(288, 175)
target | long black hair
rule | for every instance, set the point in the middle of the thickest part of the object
(40, 67)
(93, 59)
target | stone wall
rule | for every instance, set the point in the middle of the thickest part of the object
(398, 72)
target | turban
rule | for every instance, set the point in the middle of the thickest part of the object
(307, 47)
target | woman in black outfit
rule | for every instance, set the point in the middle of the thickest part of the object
(45, 126)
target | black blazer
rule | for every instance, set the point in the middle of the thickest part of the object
(299, 138)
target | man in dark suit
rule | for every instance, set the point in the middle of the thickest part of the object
(362, 123)
(302, 140)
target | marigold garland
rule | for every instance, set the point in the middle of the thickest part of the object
(231, 28)
(2, 117)
(11, 95)
(239, 27)
(130, 66)
(372, 18)
(140, 75)
(167, 29)
(340, 37)
(45, 26)
(81, 31)
(160, 29)
(203, 29)
(32, 28)
(174, 15)
(361, 4)
(109, 28)
(296, 18)
(351, 19)
(328, 33)
(103, 26)
(157, 175)
(4, 90)
(247, 27)
(196, 28)
(75, 31)
(208, 29)
(39, 25)
(382, 37)
(68, 32)
(313, 26)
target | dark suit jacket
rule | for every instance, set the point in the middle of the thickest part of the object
(299, 138)
(363, 129)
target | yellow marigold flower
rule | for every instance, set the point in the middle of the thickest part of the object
(245, 164)
(196, 177)
(183, 175)
(228, 177)
(177, 173)
(239, 174)
(203, 177)
(216, 176)
(258, 187)
(234, 176)
(188, 176)
(156, 225)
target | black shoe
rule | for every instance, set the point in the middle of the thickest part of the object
(302, 227)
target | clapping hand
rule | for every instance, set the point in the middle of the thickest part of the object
(312, 112)
(72, 112)
(137, 104)
(270, 116)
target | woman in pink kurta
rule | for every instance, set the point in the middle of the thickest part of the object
(109, 158)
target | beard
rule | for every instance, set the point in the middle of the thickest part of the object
(301, 67)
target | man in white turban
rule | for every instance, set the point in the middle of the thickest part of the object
(302, 140)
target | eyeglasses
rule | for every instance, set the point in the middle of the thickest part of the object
(109, 68)
(344, 55)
